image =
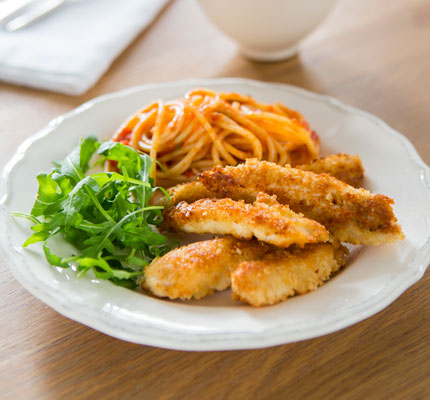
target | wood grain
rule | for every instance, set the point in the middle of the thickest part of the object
(372, 55)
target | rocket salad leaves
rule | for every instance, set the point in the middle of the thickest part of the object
(105, 215)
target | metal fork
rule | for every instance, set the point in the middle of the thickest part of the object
(10, 7)
(29, 12)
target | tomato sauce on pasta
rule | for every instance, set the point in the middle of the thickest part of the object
(207, 128)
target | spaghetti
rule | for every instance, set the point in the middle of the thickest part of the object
(206, 128)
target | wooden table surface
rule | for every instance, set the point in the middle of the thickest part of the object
(374, 55)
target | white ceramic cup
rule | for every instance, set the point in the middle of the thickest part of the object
(267, 30)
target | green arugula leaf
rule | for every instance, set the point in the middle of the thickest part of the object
(36, 237)
(47, 195)
(54, 259)
(77, 162)
(137, 261)
(105, 215)
(127, 159)
(77, 199)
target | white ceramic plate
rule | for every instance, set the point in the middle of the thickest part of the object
(374, 277)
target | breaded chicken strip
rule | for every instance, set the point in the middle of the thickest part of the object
(284, 273)
(353, 215)
(260, 274)
(200, 268)
(265, 219)
(188, 192)
(345, 167)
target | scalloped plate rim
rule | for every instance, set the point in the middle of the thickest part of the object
(224, 340)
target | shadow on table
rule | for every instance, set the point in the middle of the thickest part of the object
(292, 71)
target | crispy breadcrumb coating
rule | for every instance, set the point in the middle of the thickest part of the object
(284, 273)
(265, 219)
(188, 192)
(199, 269)
(352, 215)
(259, 274)
(345, 167)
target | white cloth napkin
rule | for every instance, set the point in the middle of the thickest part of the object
(68, 50)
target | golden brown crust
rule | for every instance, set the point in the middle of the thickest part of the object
(188, 192)
(284, 273)
(345, 167)
(353, 215)
(200, 268)
(262, 274)
(265, 219)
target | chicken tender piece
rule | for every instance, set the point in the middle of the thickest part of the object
(347, 168)
(284, 273)
(344, 167)
(352, 215)
(265, 219)
(199, 269)
(188, 192)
